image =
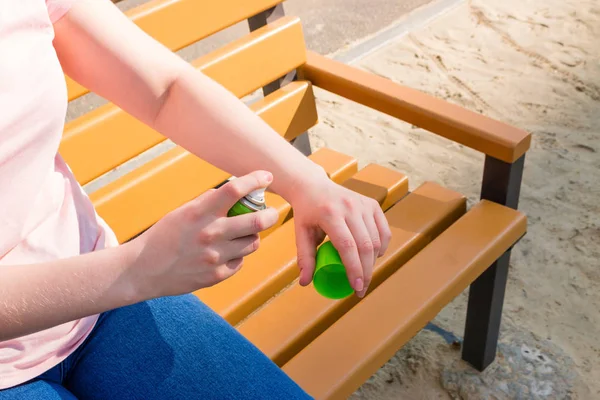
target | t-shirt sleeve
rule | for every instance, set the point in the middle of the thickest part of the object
(58, 8)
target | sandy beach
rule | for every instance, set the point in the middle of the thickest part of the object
(533, 64)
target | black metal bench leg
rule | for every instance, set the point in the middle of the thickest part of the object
(501, 184)
(484, 312)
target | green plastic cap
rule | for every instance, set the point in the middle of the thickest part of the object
(330, 278)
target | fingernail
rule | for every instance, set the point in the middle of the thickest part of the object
(358, 284)
(301, 279)
(268, 177)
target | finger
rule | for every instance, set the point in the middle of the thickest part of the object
(225, 271)
(374, 234)
(235, 265)
(227, 195)
(369, 221)
(249, 224)
(343, 240)
(383, 227)
(195, 208)
(364, 244)
(239, 248)
(307, 248)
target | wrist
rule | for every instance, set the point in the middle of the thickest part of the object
(133, 288)
(301, 183)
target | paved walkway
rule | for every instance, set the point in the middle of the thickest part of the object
(328, 24)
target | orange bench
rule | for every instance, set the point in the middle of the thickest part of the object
(438, 249)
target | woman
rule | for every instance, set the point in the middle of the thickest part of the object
(81, 316)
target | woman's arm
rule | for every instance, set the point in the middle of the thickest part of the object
(103, 50)
(38, 296)
(193, 247)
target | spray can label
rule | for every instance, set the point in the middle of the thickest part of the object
(253, 201)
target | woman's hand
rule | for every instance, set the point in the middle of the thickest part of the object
(354, 223)
(197, 245)
(194, 246)
(106, 52)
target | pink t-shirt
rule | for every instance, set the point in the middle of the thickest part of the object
(44, 213)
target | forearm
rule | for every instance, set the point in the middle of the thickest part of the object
(39, 296)
(162, 90)
(209, 121)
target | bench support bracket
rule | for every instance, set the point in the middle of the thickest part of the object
(501, 184)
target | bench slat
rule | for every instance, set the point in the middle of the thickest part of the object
(102, 139)
(273, 266)
(137, 200)
(193, 19)
(335, 364)
(298, 315)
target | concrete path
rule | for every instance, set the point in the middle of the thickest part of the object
(328, 24)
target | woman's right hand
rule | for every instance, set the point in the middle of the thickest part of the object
(197, 245)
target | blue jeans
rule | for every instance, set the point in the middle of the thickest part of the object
(166, 348)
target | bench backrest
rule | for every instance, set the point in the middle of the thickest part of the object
(103, 139)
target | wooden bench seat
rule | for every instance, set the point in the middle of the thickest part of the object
(298, 315)
(438, 247)
(344, 356)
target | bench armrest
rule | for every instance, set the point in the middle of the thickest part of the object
(494, 138)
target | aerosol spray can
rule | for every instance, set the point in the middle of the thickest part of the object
(253, 201)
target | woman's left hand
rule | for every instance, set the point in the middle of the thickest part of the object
(354, 223)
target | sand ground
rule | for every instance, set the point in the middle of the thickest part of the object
(533, 64)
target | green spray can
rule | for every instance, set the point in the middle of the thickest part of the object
(252, 202)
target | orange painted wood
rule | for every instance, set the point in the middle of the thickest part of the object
(179, 23)
(102, 139)
(451, 121)
(335, 364)
(382, 184)
(273, 266)
(260, 57)
(137, 200)
(298, 315)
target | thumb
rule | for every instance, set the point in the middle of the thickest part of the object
(306, 243)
